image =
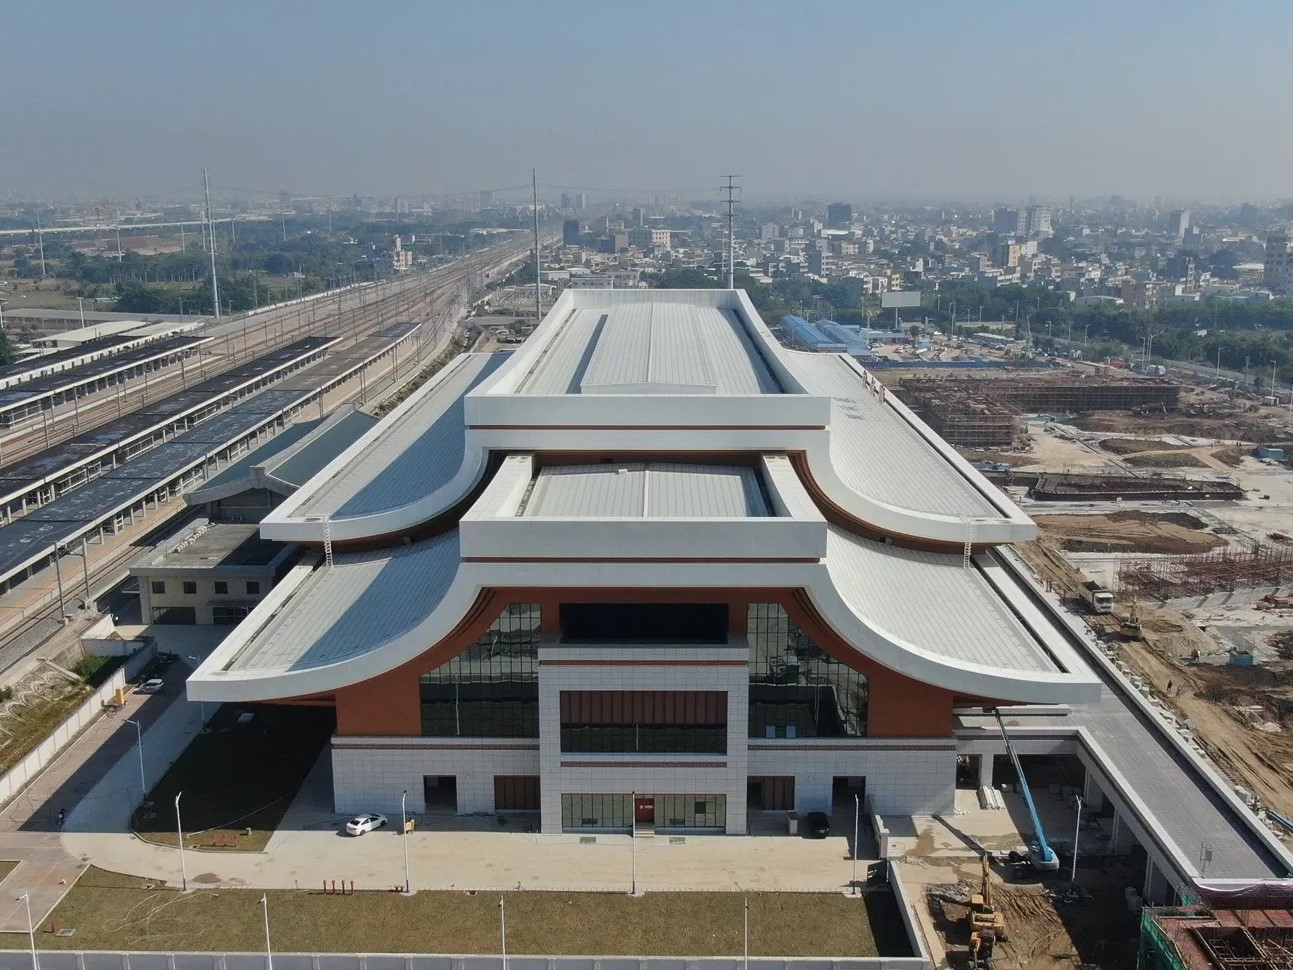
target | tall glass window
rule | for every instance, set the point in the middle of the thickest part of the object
(490, 690)
(796, 688)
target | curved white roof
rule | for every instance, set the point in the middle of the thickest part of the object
(927, 615)
(642, 371)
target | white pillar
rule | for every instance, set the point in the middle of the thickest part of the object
(985, 770)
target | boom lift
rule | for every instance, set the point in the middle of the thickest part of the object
(1043, 857)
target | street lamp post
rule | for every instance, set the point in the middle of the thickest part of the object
(857, 815)
(633, 846)
(179, 831)
(31, 931)
(746, 935)
(139, 744)
(1077, 828)
(269, 953)
(58, 576)
(404, 831)
(502, 927)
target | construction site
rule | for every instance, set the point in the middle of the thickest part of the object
(979, 412)
(1177, 500)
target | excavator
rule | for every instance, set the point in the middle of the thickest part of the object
(1130, 627)
(987, 923)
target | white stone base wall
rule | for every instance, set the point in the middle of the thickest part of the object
(369, 774)
(902, 777)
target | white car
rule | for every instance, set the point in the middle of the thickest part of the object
(153, 686)
(365, 823)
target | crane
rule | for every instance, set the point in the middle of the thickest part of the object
(1043, 856)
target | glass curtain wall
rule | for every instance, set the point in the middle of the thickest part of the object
(797, 690)
(491, 690)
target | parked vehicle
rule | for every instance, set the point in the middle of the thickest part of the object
(153, 686)
(817, 825)
(365, 823)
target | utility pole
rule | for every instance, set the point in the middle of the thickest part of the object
(40, 241)
(732, 189)
(215, 285)
(538, 286)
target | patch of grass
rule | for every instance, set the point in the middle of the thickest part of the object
(95, 671)
(236, 777)
(114, 912)
(36, 721)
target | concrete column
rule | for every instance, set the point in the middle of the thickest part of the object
(1157, 890)
(738, 749)
(985, 770)
(550, 753)
(1122, 839)
(1092, 796)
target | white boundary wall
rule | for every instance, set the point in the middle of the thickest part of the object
(26, 770)
(117, 960)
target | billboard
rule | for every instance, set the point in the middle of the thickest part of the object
(900, 298)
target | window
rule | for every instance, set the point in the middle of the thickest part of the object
(644, 721)
(597, 812)
(221, 588)
(229, 614)
(644, 622)
(190, 588)
(253, 589)
(175, 615)
(690, 811)
(797, 690)
(491, 689)
(158, 587)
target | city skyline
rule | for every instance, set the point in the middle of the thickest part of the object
(847, 100)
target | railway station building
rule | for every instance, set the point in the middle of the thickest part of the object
(650, 568)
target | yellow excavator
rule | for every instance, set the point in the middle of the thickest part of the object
(984, 916)
(1130, 627)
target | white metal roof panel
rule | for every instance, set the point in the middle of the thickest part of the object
(646, 490)
(933, 601)
(364, 600)
(877, 453)
(651, 347)
(408, 457)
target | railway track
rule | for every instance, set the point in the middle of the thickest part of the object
(423, 305)
(257, 335)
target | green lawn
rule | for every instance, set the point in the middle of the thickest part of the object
(237, 777)
(115, 912)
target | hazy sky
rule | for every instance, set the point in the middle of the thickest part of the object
(818, 97)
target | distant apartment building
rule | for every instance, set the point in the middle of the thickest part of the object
(1033, 221)
(648, 238)
(1037, 221)
(570, 232)
(1178, 223)
(1008, 222)
(1278, 264)
(839, 215)
(769, 230)
(401, 258)
(574, 201)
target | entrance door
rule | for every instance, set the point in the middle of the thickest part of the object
(644, 810)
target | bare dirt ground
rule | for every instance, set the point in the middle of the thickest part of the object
(1044, 932)
(1241, 715)
(1129, 531)
(1165, 459)
(1260, 425)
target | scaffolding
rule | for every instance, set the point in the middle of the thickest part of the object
(1200, 574)
(1197, 939)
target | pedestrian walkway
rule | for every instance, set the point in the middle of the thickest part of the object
(29, 824)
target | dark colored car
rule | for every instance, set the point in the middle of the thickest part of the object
(817, 825)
